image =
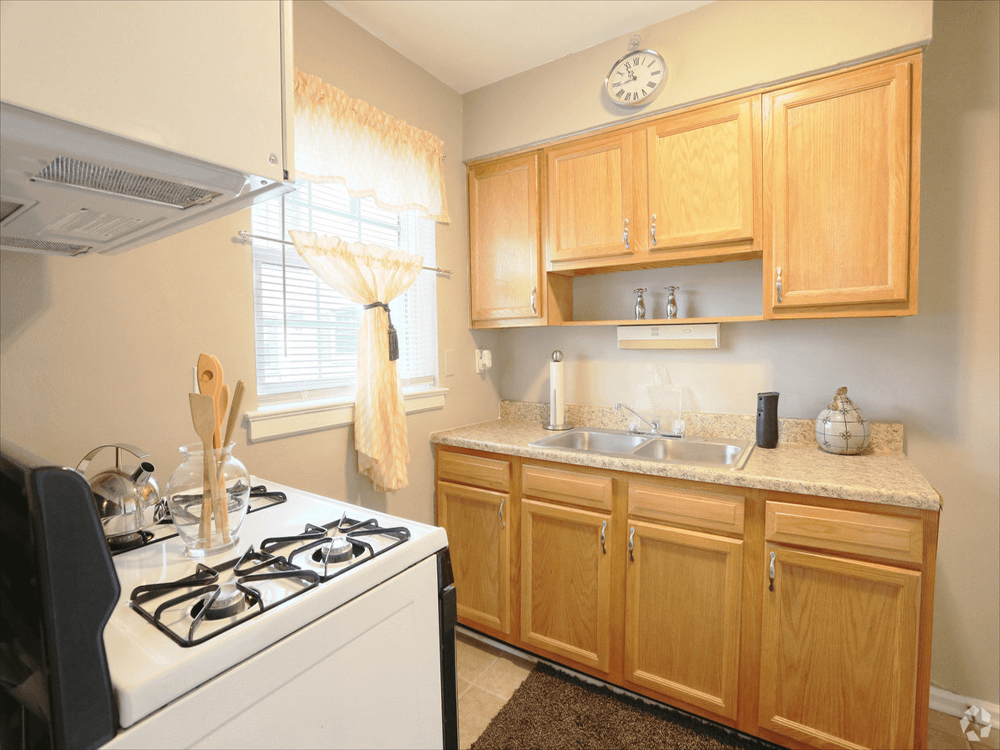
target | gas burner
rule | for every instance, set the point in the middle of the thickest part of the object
(227, 601)
(126, 542)
(338, 549)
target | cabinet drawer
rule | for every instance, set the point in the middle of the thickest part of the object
(889, 537)
(474, 470)
(712, 511)
(566, 487)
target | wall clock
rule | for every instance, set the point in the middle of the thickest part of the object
(635, 78)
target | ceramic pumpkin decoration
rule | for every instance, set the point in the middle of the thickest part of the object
(841, 428)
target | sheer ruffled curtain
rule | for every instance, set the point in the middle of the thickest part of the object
(344, 140)
(369, 274)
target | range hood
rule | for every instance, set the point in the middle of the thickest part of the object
(71, 190)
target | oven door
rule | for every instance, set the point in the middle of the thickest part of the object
(366, 675)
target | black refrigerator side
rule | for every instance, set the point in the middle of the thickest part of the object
(57, 589)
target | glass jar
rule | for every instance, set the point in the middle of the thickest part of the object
(206, 527)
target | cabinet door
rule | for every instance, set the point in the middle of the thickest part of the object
(837, 176)
(839, 651)
(141, 81)
(504, 236)
(702, 176)
(479, 540)
(565, 582)
(682, 609)
(592, 206)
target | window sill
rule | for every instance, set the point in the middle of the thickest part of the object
(283, 420)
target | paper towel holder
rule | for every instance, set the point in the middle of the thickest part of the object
(556, 357)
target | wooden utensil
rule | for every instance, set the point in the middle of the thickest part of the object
(221, 405)
(203, 417)
(210, 384)
(234, 410)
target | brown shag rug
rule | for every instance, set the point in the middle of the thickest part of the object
(554, 710)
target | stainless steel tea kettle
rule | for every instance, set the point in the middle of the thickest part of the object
(127, 502)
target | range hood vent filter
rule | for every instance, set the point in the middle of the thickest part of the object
(68, 171)
(42, 246)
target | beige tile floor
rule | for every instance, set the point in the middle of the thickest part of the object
(488, 676)
(944, 733)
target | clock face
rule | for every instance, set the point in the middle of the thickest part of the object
(636, 77)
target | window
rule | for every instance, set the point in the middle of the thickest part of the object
(306, 333)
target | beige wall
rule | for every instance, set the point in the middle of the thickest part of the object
(100, 349)
(937, 372)
(719, 48)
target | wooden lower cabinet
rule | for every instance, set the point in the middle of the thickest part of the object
(479, 540)
(566, 582)
(664, 587)
(839, 651)
(682, 615)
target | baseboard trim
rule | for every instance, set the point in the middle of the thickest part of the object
(955, 705)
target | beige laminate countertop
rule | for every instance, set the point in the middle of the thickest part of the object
(801, 469)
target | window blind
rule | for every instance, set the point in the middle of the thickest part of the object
(306, 333)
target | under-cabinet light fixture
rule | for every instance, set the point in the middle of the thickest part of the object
(696, 336)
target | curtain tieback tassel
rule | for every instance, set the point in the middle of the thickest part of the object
(393, 338)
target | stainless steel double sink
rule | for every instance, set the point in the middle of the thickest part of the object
(719, 453)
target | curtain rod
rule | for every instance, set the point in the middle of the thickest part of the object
(246, 236)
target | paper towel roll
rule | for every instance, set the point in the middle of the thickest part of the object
(557, 393)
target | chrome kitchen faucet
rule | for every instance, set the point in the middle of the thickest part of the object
(654, 425)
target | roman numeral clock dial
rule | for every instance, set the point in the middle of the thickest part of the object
(636, 77)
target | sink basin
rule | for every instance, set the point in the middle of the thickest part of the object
(594, 441)
(702, 451)
(720, 453)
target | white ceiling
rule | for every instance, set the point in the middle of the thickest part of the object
(467, 44)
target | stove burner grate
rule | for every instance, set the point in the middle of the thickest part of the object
(338, 547)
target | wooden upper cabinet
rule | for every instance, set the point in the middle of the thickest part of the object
(841, 190)
(504, 242)
(592, 205)
(703, 169)
(839, 651)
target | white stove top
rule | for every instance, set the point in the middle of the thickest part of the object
(149, 669)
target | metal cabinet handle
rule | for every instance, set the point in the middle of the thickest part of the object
(534, 293)
(625, 236)
(652, 230)
(604, 528)
(500, 513)
(770, 574)
(631, 543)
(777, 285)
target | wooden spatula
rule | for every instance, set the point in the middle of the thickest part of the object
(203, 417)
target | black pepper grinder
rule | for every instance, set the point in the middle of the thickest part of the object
(767, 420)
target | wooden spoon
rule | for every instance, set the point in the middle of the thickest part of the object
(210, 383)
(203, 417)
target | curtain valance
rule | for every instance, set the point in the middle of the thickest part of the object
(371, 153)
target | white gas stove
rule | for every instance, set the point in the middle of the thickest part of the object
(323, 628)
